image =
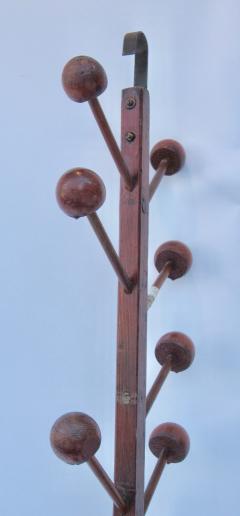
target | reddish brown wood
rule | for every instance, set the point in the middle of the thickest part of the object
(171, 151)
(169, 442)
(175, 352)
(178, 347)
(83, 78)
(161, 171)
(178, 254)
(75, 437)
(80, 192)
(127, 283)
(163, 275)
(155, 477)
(158, 383)
(171, 437)
(131, 348)
(111, 142)
(107, 484)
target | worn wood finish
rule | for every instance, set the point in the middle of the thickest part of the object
(132, 308)
(75, 437)
(161, 278)
(79, 192)
(83, 78)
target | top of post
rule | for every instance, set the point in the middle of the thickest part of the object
(136, 43)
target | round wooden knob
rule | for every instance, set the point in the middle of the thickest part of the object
(80, 192)
(178, 254)
(170, 150)
(75, 437)
(83, 78)
(171, 437)
(179, 347)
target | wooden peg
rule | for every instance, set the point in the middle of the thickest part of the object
(80, 192)
(84, 79)
(172, 260)
(169, 442)
(175, 352)
(75, 438)
(167, 158)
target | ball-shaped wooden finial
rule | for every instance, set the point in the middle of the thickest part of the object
(177, 346)
(171, 437)
(178, 254)
(83, 78)
(170, 150)
(80, 192)
(75, 437)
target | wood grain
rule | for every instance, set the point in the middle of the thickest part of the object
(132, 308)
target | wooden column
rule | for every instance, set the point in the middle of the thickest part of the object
(132, 308)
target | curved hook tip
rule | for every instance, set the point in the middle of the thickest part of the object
(136, 43)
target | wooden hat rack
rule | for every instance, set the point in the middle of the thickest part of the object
(75, 436)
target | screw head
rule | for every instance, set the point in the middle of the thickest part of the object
(83, 78)
(75, 437)
(179, 347)
(80, 192)
(178, 254)
(130, 103)
(170, 150)
(130, 136)
(173, 438)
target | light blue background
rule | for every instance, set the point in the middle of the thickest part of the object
(58, 292)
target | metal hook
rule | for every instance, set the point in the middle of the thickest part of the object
(136, 43)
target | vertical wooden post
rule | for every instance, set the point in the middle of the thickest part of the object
(132, 308)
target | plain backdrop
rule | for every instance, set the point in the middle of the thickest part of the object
(58, 292)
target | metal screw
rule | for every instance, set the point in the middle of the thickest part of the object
(131, 103)
(130, 136)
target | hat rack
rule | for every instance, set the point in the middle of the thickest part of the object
(75, 436)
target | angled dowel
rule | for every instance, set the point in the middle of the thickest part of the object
(169, 442)
(175, 352)
(80, 192)
(75, 438)
(155, 477)
(172, 260)
(84, 79)
(107, 484)
(167, 158)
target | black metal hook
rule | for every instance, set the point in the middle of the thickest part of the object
(136, 43)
